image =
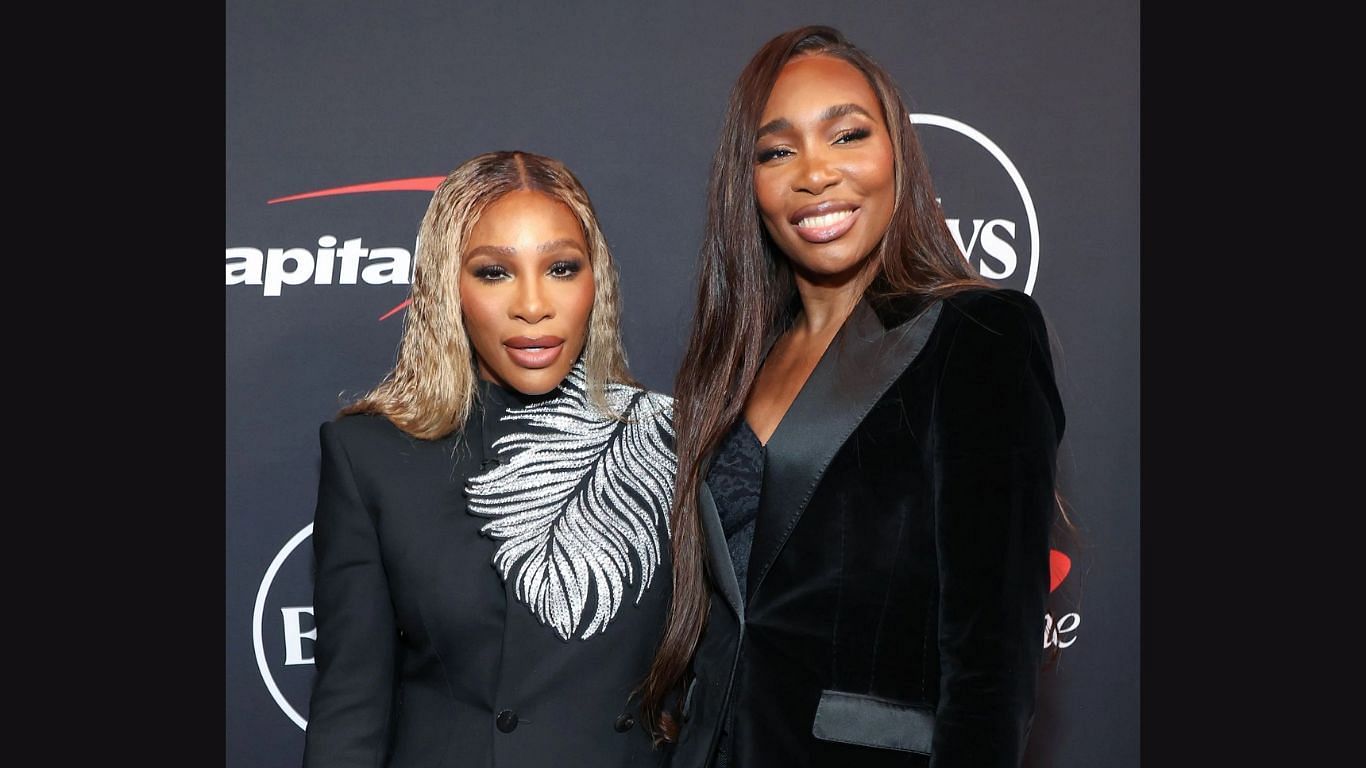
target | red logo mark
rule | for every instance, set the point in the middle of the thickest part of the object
(1058, 566)
(415, 184)
(418, 184)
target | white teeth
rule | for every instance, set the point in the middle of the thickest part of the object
(825, 220)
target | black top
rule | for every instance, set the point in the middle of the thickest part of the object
(492, 402)
(735, 479)
(898, 582)
(491, 605)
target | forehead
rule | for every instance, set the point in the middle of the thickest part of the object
(528, 215)
(806, 85)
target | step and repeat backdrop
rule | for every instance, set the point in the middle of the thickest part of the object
(343, 116)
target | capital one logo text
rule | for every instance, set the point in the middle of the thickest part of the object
(348, 264)
(991, 244)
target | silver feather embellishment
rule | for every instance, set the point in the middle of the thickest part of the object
(578, 507)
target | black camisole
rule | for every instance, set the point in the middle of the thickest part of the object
(736, 478)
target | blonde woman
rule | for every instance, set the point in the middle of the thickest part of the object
(491, 534)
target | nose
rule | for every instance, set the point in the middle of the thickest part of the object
(815, 172)
(532, 302)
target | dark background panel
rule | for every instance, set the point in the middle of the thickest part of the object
(630, 95)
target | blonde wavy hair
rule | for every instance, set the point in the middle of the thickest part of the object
(431, 389)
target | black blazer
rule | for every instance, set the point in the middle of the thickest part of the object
(425, 656)
(899, 569)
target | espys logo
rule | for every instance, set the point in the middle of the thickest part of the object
(282, 628)
(990, 215)
(283, 631)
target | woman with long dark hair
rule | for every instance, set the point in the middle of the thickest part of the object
(867, 433)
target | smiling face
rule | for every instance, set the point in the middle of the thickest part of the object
(824, 174)
(526, 291)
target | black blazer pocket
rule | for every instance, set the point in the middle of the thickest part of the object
(855, 718)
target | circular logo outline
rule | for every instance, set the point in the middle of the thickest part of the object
(926, 118)
(259, 611)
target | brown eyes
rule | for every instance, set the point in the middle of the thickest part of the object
(564, 270)
(773, 154)
(844, 137)
(490, 273)
(856, 134)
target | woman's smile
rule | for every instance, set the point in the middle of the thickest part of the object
(824, 176)
(824, 222)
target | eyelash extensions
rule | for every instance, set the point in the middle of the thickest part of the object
(845, 137)
(562, 270)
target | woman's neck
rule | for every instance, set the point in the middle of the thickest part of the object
(828, 301)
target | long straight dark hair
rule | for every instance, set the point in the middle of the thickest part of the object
(746, 296)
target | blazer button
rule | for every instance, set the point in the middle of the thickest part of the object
(624, 722)
(507, 721)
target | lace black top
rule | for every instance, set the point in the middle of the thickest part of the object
(736, 478)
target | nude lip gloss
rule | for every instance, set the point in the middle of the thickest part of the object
(534, 352)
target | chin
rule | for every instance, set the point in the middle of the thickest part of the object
(831, 265)
(537, 382)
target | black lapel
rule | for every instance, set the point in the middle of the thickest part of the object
(861, 363)
(718, 554)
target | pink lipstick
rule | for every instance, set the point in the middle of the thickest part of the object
(823, 222)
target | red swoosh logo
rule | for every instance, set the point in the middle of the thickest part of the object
(385, 316)
(1058, 567)
(415, 184)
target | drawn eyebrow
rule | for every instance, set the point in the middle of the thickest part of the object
(555, 245)
(509, 251)
(491, 250)
(840, 110)
(772, 126)
(830, 113)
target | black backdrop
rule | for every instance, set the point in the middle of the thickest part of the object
(341, 117)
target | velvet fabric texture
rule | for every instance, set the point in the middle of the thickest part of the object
(899, 570)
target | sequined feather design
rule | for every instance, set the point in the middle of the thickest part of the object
(578, 505)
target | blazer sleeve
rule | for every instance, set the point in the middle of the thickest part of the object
(998, 422)
(356, 647)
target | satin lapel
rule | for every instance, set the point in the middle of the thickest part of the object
(718, 554)
(861, 363)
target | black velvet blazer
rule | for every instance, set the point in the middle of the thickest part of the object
(426, 655)
(899, 569)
